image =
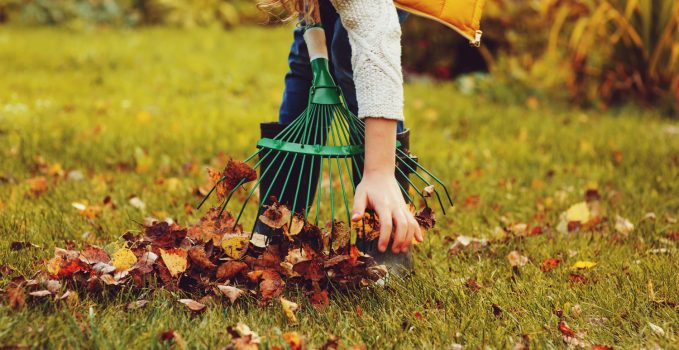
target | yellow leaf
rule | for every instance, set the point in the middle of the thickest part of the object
(289, 307)
(236, 245)
(53, 266)
(584, 265)
(123, 259)
(293, 339)
(175, 260)
(578, 212)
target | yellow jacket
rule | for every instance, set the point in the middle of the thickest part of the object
(461, 15)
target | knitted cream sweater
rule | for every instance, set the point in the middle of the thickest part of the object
(375, 38)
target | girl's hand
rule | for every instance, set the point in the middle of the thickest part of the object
(380, 191)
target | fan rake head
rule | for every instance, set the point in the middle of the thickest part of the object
(320, 154)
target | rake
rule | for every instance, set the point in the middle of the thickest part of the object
(322, 153)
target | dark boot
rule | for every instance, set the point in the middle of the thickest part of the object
(398, 264)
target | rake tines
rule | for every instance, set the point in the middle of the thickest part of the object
(326, 142)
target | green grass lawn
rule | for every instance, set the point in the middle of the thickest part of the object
(140, 113)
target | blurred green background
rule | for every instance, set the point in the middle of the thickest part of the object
(598, 53)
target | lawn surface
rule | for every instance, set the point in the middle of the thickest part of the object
(140, 113)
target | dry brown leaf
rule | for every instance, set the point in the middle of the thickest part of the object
(193, 305)
(199, 258)
(94, 254)
(230, 269)
(426, 218)
(275, 215)
(428, 191)
(37, 185)
(230, 292)
(234, 173)
(40, 293)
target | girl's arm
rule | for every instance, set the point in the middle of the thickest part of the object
(375, 38)
(380, 190)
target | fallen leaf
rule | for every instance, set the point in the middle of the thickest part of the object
(294, 340)
(193, 305)
(94, 254)
(175, 260)
(623, 226)
(467, 244)
(173, 336)
(549, 264)
(368, 228)
(230, 292)
(271, 285)
(230, 269)
(296, 226)
(199, 258)
(213, 227)
(565, 330)
(497, 310)
(516, 259)
(601, 347)
(340, 235)
(242, 338)
(163, 234)
(289, 309)
(37, 185)
(580, 265)
(473, 284)
(21, 245)
(275, 215)
(578, 212)
(66, 263)
(53, 286)
(123, 259)
(426, 218)
(40, 293)
(656, 329)
(88, 211)
(577, 279)
(428, 191)
(235, 173)
(16, 297)
(137, 203)
(331, 344)
(236, 245)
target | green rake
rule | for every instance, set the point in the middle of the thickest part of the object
(326, 142)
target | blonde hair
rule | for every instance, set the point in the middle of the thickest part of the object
(285, 10)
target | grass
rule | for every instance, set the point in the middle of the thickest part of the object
(140, 112)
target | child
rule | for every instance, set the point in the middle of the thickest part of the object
(363, 41)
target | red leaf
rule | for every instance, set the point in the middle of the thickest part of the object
(198, 257)
(577, 279)
(565, 330)
(549, 264)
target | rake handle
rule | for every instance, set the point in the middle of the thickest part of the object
(315, 42)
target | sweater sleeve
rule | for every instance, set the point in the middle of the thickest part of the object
(375, 38)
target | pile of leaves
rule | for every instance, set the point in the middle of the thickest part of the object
(215, 256)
